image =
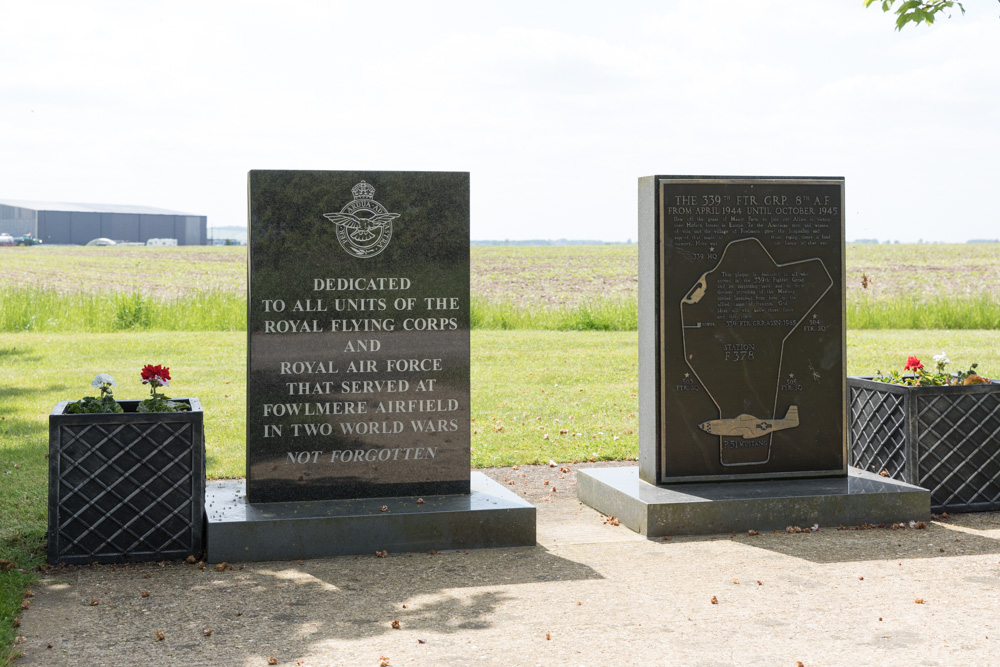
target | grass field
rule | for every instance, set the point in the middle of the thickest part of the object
(530, 275)
(589, 287)
(157, 272)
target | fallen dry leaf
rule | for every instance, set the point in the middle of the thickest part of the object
(94, 602)
(201, 565)
(395, 624)
(548, 635)
(160, 635)
(383, 661)
(29, 594)
(753, 533)
(272, 660)
(190, 560)
(207, 632)
(735, 580)
(381, 554)
(25, 604)
(919, 600)
(760, 583)
(715, 600)
(221, 567)
(145, 594)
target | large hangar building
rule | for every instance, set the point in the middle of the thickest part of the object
(76, 224)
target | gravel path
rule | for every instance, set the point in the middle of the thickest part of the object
(589, 593)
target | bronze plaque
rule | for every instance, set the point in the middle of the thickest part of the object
(741, 328)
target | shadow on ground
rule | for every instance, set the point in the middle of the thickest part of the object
(960, 535)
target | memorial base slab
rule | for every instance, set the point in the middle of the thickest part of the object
(725, 507)
(490, 516)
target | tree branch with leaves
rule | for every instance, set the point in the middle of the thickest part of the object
(916, 11)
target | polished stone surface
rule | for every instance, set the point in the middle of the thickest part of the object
(358, 335)
(741, 328)
(721, 507)
(489, 516)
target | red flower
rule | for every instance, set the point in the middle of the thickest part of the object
(159, 373)
(913, 364)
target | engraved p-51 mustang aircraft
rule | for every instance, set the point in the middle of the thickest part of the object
(749, 426)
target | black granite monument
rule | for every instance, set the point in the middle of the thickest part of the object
(358, 335)
(741, 362)
(358, 393)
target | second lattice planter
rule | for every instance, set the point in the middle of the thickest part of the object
(945, 439)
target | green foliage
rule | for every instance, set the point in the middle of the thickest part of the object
(92, 405)
(105, 404)
(915, 11)
(608, 314)
(39, 309)
(132, 311)
(910, 312)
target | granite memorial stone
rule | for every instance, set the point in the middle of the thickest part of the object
(358, 335)
(741, 365)
(358, 394)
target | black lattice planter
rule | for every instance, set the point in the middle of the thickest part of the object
(945, 439)
(126, 487)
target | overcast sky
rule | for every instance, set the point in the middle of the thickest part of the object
(555, 108)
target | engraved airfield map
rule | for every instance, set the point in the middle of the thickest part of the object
(751, 319)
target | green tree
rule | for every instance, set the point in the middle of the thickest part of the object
(916, 11)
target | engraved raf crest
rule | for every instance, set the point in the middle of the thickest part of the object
(364, 227)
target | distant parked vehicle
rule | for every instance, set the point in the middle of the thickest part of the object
(162, 242)
(27, 239)
(101, 241)
(6, 239)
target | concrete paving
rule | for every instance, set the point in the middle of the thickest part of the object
(589, 593)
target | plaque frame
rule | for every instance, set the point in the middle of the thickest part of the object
(654, 438)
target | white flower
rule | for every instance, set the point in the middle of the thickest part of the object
(941, 360)
(103, 378)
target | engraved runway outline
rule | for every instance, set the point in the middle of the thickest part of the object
(694, 298)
